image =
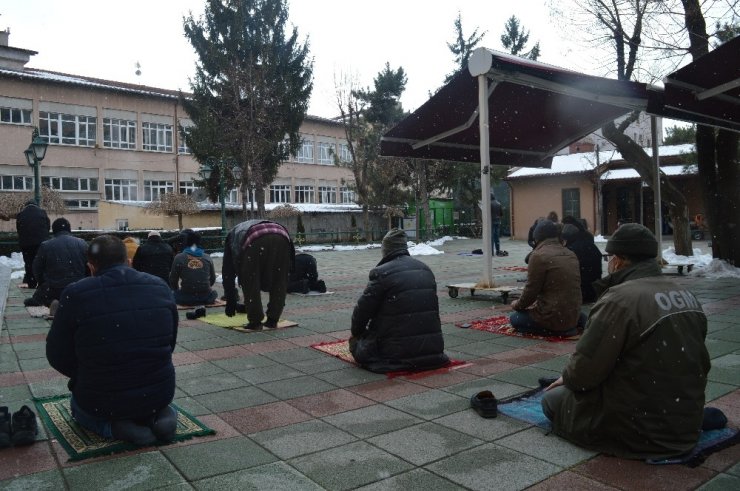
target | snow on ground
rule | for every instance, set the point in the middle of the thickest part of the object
(415, 249)
(15, 263)
(704, 265)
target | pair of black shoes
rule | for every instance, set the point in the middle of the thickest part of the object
(258, 326)
(485, 404)
(196, 314)
(20, 429)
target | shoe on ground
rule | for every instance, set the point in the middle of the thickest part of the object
(485, 404)
(319, 286)
(190, 316)
(271, 323)
(5, 427)
(201, 312)
(714, 419)
(253, 326)
(499, 253)
(32, 302)
(25, 427)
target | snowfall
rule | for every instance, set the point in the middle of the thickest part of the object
(704, 265)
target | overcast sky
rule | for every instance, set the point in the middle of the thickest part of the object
(106, 39)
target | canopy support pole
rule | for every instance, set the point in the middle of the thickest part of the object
(656, 188)
(485, 181)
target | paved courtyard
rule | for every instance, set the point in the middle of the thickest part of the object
(290, 417)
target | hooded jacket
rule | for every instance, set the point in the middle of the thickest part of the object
(638, 375)
(192, 272)
(399, 310)
(553, 289)
(113, 335)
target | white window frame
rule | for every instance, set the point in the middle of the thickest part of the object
(304, 194)
(156, 137)
(348, 195)
(280, 193)
(121, 189)
(15, 115)
(328, 194)
(16, 183)
(187, 187)
(81, 204)
(68, 129)
(305, 152)
(325, 153)
(344, 153)
(119, 133)
(153, 189)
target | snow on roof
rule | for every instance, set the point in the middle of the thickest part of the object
(302, 207)
(582, 162)
(669, 170)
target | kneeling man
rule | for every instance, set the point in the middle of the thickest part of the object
(634, 387)
(395, 324)
(113, 336)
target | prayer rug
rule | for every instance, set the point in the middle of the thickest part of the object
(39, 311)
(501, 325)
(83, 444)
(527, 407)
(521, 269)
(238, 322)
(340, 349)
(217, 303)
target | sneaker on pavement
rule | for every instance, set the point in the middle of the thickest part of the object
(25, 427)
(271, 323)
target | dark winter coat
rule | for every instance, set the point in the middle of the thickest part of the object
(113, 335)
(590, 264)
(399, 311)
(154, 257)
(497, 211)
(61, 260)
(192, 272)
(32, 225)
(638, 375)
(553, 290)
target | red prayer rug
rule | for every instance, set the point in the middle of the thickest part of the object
(501, 325)
(340, 349)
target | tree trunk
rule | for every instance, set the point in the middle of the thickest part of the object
(728, 178)
(179, 221)
(366, 222)
(645, 167)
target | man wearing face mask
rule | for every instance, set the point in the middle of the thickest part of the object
(634, 387)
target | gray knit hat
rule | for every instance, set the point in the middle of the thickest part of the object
(632, 239)
(545, 230)
(395, 240)
(569, 232)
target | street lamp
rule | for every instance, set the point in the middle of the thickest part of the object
(222, 165)
(35, 153)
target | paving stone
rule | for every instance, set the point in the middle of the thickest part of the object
(243, 363)
(547, 447)
(349, 466)
(296, 387)
(623, 474)
(268, 373)
(217, 457)
(228, 400)
(301, 438)
(148, 470)
(721, 482)
(275, 476)
(524, 376)
(416, 480)
(346, 377)
(569, 480)
(40, 481)
(331, 402)
(210, 384)
(430, 404)
(439, 442)
(488, 429)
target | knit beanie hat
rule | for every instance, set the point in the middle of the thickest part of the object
(192, 238)
(61, 224)
(632, 239)
(395, 240)
(569, 232)
(545, 230)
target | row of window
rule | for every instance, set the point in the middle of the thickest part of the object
(15, 115)
(281, 193)
(325, 153)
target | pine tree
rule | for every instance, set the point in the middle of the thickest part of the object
(462, 47)
(515, 38)
(251, 88)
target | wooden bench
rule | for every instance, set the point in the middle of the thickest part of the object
(504, 291)
(680, 265)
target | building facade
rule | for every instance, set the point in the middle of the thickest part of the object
(118, 143)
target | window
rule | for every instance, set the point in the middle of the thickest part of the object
(280, 193)
(187, 187)
(122, 223)
(327, 194)
(70, 183)
(153, 189)
(344, 154)
(304, 194)
(572, 202)
(157, 137)
(183, 148)
(16, 183)
(348, 196)
(121, 189)
(305, 152)
(325, 153)
(232, 196)
(67, 129)
(14, 115)
(119, 133)
(81, 204)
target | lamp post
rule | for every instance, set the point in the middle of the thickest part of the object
(35, 153)
(222, 165)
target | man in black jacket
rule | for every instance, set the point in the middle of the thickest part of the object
(113, 336)
(154, 257)
(32, 225)
(395, 324)
(58, 262)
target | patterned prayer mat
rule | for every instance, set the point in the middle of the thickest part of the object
(217, 303)
(527, 407)
(238, 322)
(340, 349)
(83, 444)
(501, 325)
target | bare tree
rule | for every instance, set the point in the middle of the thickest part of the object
(12, 203)
(174, 204)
